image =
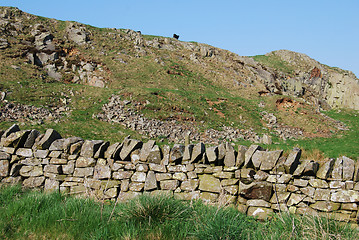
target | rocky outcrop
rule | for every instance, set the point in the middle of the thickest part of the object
(260, 187)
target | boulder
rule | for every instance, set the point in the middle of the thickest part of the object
(77, 33)
(155, 155)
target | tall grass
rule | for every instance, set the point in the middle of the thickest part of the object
(27, 214)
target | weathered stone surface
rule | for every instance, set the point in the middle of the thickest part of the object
(221, 152)
(31, 171)
(33, 182)
(176, 153)
(142, 168)
(280, 197)
(295, 199)
(128, 147)
(322, 194)
(138, 177)
(258, 203)
(306, 168)
(113, 150)
(180, 176)
(270, 159)
(256, 190)
(348, 168)
(190, 185)
(4, 156)
(300, 182)
(135, 156)
(75, 148)
(82, 162)
(349, 206)
(212, 154)
(146, 149)
(209, 197)
(309, 191)
(83, 172)
(136, 186)
(325, 206)
(337, 172)
(15, 139)
(90, 147)
(4, 168)
(157, 167)
(69, 168)
(155, 155)
(53, 169)
(51, 185)
(24, 152)
(30, 140)
(57, 145)
(292, 161)
(227, 182)
(59, 161)
(188, 149)
(222, 175)
(213, 169)
(151, 182)
(102, 172)
(233, 189)
(336, 184)
(50, 136)
(41, 153)
(12, 129)
(261, 213)
(197, 152)
(194, 195)
(248, 155)
(318, 183)
(55, 154)
(345, 196)
(326, 169)
(209, 183)
(169, 184)
(230, 158)
(163, 176)
(241, 155)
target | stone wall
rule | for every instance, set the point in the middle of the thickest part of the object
(256, 181)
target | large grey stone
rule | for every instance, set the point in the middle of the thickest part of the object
(151, 182)
(187, 152)
(113, 151)
(212, 154)
(270, 160)
(90, 147)
(176, 153)
(337, 172)
(128, 147)
(221, 152)
(102, 172)
(197, 152)
(256, 190)
(292, 160)
(100, 153)
(4, 168)
(155, 155)
(12, 129)
(348, 168)
(248, 155)
(230, 158)
(33, 182)
(325, 170)
(146, 149)
(345, 196)
(209, 183)
(50, 136)
(241, 155)
(15, 139)
(31, 138)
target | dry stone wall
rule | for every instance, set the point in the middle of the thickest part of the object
(256, 181)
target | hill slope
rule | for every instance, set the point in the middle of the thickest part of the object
(108, 83)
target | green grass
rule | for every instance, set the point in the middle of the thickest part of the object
(28, 214)
(275, 62)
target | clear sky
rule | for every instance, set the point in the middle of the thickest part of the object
(326, 30)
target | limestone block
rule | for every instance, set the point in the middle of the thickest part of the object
(294, 199)
(309, 191)
(176, 153)
(85, 162)
(213, 169)
(57, 145)
(146, 149)
(258, 203)
(228, 182)
(138, 177)
(31, 171)
(102, 172)
(261, 175)
(136, 186)
(90, 147)
(348, 168)
(53, 169)
(241, 155)
(325, 206)
(75, 148)
(248, 155)
(190, 185)
(194, 195)
(209, 197)
(169, 184)
(59, 161)
(280, 197)
(221, 152)
(300, 182)
(15, 139)
(51, 185)
(222, 175)
(151, 182)
(113, 151)
(33, 182)
(326, 169)
(192, 175)
(232, 189)
(24, 152)
(345, 196)
(69, 168)
(322, 194)
(230, 157)
(318, 183)
(50, 136)
(157, 167)
(4, 168)
(163, 176)
(179, 176)
(292, 160)
(83, 172)
(209, 183)
(55, 154)
(100, 153)
(41, 153)
(337, 172)
(155, 155)
(4, 156)
(337, 185)
(212, 154)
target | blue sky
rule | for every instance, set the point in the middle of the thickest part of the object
(326, 30)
